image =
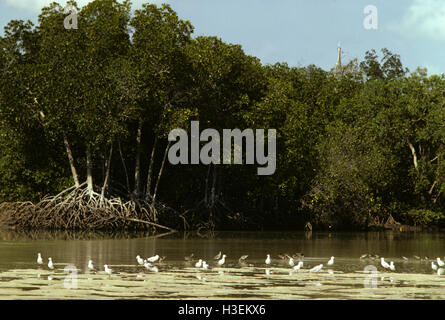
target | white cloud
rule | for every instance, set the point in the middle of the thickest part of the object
(36, 5)
(423, 18)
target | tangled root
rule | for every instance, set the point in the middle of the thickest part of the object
(80, 208)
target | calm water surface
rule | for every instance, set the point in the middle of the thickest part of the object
(18, 253)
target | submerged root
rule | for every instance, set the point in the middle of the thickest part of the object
(80, 208)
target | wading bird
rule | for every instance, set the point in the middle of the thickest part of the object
(147, 264)
(331, 261)
(298, 266)
(150, 267)
(433, 266)
(50, 264)
(153, 259)
(440, 263)
(139, 260)
(39, 259)
(153, 269)
(222, 261)
(268, 259)
(91, 265)
(316, 268)
(392, 266)
(198, 264)
(108, 270)
(384, 263)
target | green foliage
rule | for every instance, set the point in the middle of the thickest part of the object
(426, 217)
(350, 150)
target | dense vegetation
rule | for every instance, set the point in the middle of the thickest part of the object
(96, 104)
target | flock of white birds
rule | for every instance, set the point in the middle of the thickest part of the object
(149, 263)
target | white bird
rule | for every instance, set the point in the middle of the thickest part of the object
(440, 262)
(205, 265)
(316, 268)
(91, 265)
(198, 264)
(331, 261)
(153, 259)
(291, 262)
(268, 259)
(140, 260)
(298, 266)
(50, 264)
(222, 261)
(384, 263)
(39, 259)
(108, 270)
(392, 266)
(154, 269)
(150, 267)
(433, 266)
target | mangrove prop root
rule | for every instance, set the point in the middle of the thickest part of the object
(79, 208)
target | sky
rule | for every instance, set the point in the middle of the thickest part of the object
(302, 32)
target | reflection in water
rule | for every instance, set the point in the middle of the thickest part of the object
(19, 235)
(20, 247)
(353, 251)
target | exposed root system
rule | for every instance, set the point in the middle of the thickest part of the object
(80, 208)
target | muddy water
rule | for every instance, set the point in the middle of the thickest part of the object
(347, 278)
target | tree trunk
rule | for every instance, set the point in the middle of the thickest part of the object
(89, 171)
(71, 160)
(137, 168)
(413, 152)
(160, 173)
(107, 175)
(125, 167)
(150, 169)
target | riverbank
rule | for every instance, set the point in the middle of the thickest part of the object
(291, 224)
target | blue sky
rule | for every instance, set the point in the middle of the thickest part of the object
(302, 32)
